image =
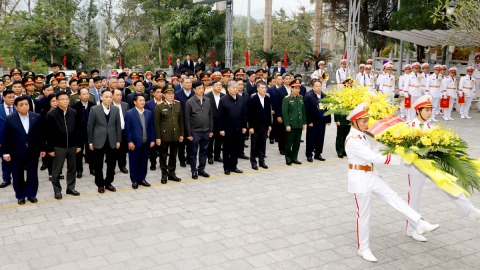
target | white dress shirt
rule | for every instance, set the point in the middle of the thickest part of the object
(122, 121)
(25, 122)
(6, 109)
(262, 100)
(217, 98)
(106, 110)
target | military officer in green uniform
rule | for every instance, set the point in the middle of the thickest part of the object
(169, 132)
(293, 111)
(159, 81)
(82, 83)
(39, 79)
(15, 75)
(29, 85)
(227, 77)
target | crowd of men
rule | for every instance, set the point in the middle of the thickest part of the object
(198, 116)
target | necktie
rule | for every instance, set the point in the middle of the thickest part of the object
(9, 110)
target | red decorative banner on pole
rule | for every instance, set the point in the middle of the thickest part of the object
(33, 59)
(248, 59)
(65, 61)
(169, 60)
(254, 63)
(382, 125)
(317, 54)
(120, 60)
(285, 59)
(147, 58)
(0, 61)
(345, 57)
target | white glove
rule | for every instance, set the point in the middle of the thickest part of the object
(406, 94)
(444, 96)
(460, 94)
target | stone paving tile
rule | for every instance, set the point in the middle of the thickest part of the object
(298, 217)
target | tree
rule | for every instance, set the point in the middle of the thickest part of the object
(318, 24)
(198, 25)
(267, 26)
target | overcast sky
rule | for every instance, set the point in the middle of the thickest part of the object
(258, 7)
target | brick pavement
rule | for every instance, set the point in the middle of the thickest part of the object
(298, 217)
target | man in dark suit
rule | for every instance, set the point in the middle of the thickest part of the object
(55, 68)
(140, 135)
(97, 89)
(123, 150)
(17, 88)
(279, 127)
(188, 63)
(233, 124)
(138, 85)
(303, 89)
(83, 109)
(316, 122)
(245, 98)
(216, 140)
(200, 65)
(306, 64)
(279, 68)
(6, 108)
(265, 67)
(24, 143)
(177, 67)
(260, 123)
(151, 105)
(183, 95)
(104, 136)
(272, 93)
(62, 86)
(251, 83)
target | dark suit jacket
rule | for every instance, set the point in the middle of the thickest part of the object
(267, 70)
(3, 116)
(134, 128)
(180, 96)
(177, 67)
(282, 70)
(258, 115)
(187, 66)
(150, 105)
(124, 106)
(131, 105)
(68, 91)
(232, 114)
(280, 94)
(313, 114)
(251, 89)
(17, 143)
(200, 66)
(214, 108)
(303, 91)
(79, 108)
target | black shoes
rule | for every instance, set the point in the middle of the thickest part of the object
(272, 141)
(164, 180)
(296, 162)
(73, 192)
(32, 200)
(92, 172)
(254, 166)
(153, 168)
(174, 178)
(124, 170)
(135, 185)
(145, 183)
(204, 174)
(246, 146)
(58, 196)
(289, 163)
(309, 159)
(61, 177)
(219, 159)
(263, 165)
(79, 174)
(210, 161)
(194, 175)
(237, 171)
(319, 157)
(244, 157)
(227, 172)
(43, 167)
(21, 201)
(340, 156)
(5, 184)
(182, 164)
(282, 152)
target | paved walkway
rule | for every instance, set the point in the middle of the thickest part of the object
(298, 217)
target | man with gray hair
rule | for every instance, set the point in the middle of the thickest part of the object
(232, 116)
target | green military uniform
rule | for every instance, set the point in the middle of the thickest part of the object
(82, 83)
(342, 131)
(27, 82)
(226, 72)
(168, 128)
(293, 111)
(39, 79)
(14, 71)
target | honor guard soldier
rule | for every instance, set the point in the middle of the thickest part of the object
(424, 76)
(293, 113)
(467, 88)
(341, 74)
(432, 88)
(380, 76)
(412, 90)
(401, 84)
(416, 178)
(449, 93)
(169, 132)
(387, 85)
(368, 80)
(364, 179)
(361, 73)
(227, 77)
(476, 70)
(318, 74)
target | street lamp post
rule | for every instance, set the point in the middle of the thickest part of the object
(450, 10)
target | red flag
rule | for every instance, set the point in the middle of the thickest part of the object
(248, 59)
(0, 61)
(64, 61)
(327, 58)
(345, 57)
(169, 60)
(212, 53)
(147, 58)
(9, 67)
(254, 63)
(285, 59)
(317, 54)
(34, 59)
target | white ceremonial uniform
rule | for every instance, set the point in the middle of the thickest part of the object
(467, 87)
(432, 88)
(359, 77)
(411, 87)
(363, 183)
(416, 179)
(424, 81)
(449, 88)
(317, 74)
(341, 76)
(367, 80)
(401, 80)
(387, 86)
(476, 74)
(379, 79)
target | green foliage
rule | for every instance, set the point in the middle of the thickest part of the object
(269, 55)
(415, 14)
(386, 51)
(321, 56)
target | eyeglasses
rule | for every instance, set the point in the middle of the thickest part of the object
(63, 99)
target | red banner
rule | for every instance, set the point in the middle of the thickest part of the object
(445, 103)
(248, 59)
(169, 60)
(285, 59)
(64, 61)
(461, 100)
(408, 102)
(254, 63)
(147, 58)
(120, 60)
(382, 125)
